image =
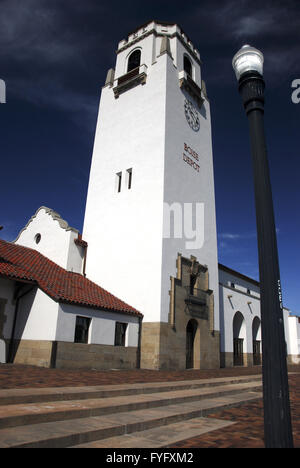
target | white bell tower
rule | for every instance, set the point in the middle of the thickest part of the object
(152, 164)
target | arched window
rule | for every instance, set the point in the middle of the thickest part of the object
(134, 60)
(256, 329)
(187, 65)
(239, 337)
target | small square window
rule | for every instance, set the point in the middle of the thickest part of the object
(120, 334)
(82, 329)
(129, 178)
(118, 181)
(232, 285)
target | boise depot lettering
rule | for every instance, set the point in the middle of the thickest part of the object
(190, 160)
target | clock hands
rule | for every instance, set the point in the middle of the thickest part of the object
(191, 115)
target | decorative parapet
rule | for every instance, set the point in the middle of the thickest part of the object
(55, 216)
(129, 80)
(160, 29)
(189, 85)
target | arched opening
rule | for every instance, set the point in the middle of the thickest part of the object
(239, 337)
(256, 337)
(191, 329)
(187, 66)
(134, 60)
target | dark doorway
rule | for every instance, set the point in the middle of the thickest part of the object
(238, 357)
(191, 329)
(256, 353)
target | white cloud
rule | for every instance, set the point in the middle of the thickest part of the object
(235, 236)
(269, 25)
(41, 51)
(228, 235)
(27, 27)
(252, 23)
(244, 19)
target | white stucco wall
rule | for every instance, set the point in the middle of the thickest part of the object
(187, 187)
(57, 239)
(41, 318)
(292, 334)
(238, 302)
(124, 230)
(232, 301)
(145, 129)
(37, 317)
(226, 278)
(102, 327)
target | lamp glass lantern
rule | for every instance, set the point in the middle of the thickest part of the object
(247, 59)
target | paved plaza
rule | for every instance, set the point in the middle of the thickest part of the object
(233, 427)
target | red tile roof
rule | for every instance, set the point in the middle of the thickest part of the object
(22, 263)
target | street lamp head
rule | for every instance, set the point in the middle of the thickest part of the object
(247, 59)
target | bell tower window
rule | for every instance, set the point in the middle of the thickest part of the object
(134, 60)
(187, 66)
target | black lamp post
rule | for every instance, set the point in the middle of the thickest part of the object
(248, 67)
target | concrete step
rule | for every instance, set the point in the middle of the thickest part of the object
(162, 436)
(73, 432)
(40, 395)
(35, 413)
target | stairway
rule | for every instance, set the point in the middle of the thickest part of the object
(145, 415)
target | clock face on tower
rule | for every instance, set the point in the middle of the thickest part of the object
(192, 115)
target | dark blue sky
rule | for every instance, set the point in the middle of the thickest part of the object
(54, 60)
